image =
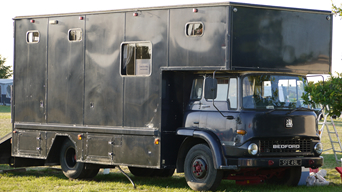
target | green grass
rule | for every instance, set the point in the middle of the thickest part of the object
(5, 120)
(5, 109)
(51, 179)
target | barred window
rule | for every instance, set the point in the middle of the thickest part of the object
(75, 34)
(32, 37)
(194, 29)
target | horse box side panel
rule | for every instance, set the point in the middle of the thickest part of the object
(281, 40)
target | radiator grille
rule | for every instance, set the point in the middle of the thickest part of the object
(285, 146)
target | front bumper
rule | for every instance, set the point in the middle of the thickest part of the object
(274, 162)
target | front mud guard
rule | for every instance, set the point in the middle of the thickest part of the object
(211, 139)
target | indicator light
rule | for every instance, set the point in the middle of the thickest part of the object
(81, 18)
(135, 14)
(32, 21)
(194, 10)
(241, 132)
(156, 141)
(80, 136)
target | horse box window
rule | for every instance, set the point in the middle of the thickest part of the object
(75, 34)
(136, 58)
(32, 37)
(194, 29)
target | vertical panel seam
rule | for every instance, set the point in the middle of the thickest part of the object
(84, 60)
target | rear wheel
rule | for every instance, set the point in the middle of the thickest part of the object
(91, 173)
(141, 172)
(290, 177)
(199, 170)
(71, 168)
(163, 172)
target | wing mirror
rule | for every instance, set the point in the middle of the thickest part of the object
(210, 88)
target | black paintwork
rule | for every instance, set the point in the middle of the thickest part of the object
(63, 89)
(103, 86)
(283, 40)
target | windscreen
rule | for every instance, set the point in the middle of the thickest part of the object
(272, 92)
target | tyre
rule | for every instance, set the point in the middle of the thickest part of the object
(70, 167)
(141, 172)
(91, 173)
(163, 172)
(289, 177)
(199, 170)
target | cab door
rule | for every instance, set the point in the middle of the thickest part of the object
(193, 114)
(221, 115)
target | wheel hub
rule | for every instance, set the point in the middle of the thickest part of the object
(199, 168)
(70, 157)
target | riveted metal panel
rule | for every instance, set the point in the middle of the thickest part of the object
(65, 71)
(138, 151)
(30, 61)
(142, 93)
(206, 50)
(99, 148)
(28, 143)
(281, 40)
(103, 83)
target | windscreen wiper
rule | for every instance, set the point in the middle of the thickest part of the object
(299, 108)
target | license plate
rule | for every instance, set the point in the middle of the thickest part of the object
(290, 162)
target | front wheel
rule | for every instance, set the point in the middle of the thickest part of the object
(199, 170)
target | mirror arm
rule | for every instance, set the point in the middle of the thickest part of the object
(228, 117)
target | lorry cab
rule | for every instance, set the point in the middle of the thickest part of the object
(256, 120)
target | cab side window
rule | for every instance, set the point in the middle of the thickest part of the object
(232, 93)
(222, 89)
(227, 91)
(197, 89)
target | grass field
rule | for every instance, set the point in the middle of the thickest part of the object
(52, 178)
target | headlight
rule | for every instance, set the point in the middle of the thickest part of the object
(253, 149)
(318, 148)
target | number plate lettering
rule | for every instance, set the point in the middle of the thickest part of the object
(290, 162)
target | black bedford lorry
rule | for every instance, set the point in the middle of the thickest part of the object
(211, 90)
